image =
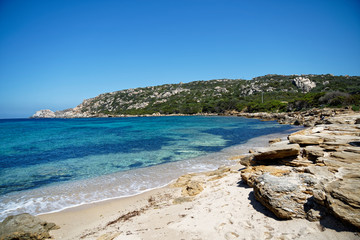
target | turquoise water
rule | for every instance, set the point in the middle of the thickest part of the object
(51, 164)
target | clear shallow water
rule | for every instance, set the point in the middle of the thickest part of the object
(51, 164)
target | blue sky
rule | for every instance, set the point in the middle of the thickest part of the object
(54, 54)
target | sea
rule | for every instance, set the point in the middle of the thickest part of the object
(47, 165)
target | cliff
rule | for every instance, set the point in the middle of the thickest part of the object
(269, 93)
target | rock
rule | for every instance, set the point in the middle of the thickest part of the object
(25, 226)
(44, 114)
(296, 162)
(284, 196)
(250, 174)
(272, 141)
(348, 157)
(277, 152)
(192, 188)
(313, 152)
(343, 198)
(183, 180)
(322, 172)
(314, 215)
(352, 149)
(246, 160)
(306, 139)
(305, 84)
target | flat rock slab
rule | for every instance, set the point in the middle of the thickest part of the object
(277, 152)
(343, 198)
(306, 139)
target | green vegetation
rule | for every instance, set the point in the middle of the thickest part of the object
(270, 93)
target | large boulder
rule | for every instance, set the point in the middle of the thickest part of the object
(287, 196)
(26, 227)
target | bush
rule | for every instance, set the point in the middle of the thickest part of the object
(355, 108)
(334, 98)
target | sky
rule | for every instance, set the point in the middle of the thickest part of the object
(54, 54)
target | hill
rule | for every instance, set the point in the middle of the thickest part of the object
(269, 93)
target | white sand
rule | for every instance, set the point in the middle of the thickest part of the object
(225, 209)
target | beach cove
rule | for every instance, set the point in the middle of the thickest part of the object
(222, 207)
(214, 204)
(52, 164)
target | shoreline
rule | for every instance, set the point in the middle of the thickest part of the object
(63, 195)
(207, 205)
(88, 214)
(228, 152)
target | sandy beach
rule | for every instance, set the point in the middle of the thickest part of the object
(225, 209)
(222, 207)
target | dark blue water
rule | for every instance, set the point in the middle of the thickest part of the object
(45, 156)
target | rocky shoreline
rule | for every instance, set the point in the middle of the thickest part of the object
(312, 174)
(306, 118)
(71, 113)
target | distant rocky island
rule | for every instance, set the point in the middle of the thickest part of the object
(269, 93)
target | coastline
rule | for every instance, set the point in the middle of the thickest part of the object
(88, 215)
(223, 208)
(62, 195)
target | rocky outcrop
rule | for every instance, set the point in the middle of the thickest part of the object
(322, 179)
(307, 118)
(46, 113)
(25, 227)
(304, 83)
(68, 113)
(193, 184)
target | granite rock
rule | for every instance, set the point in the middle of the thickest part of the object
(285, 196)
(26, 227)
